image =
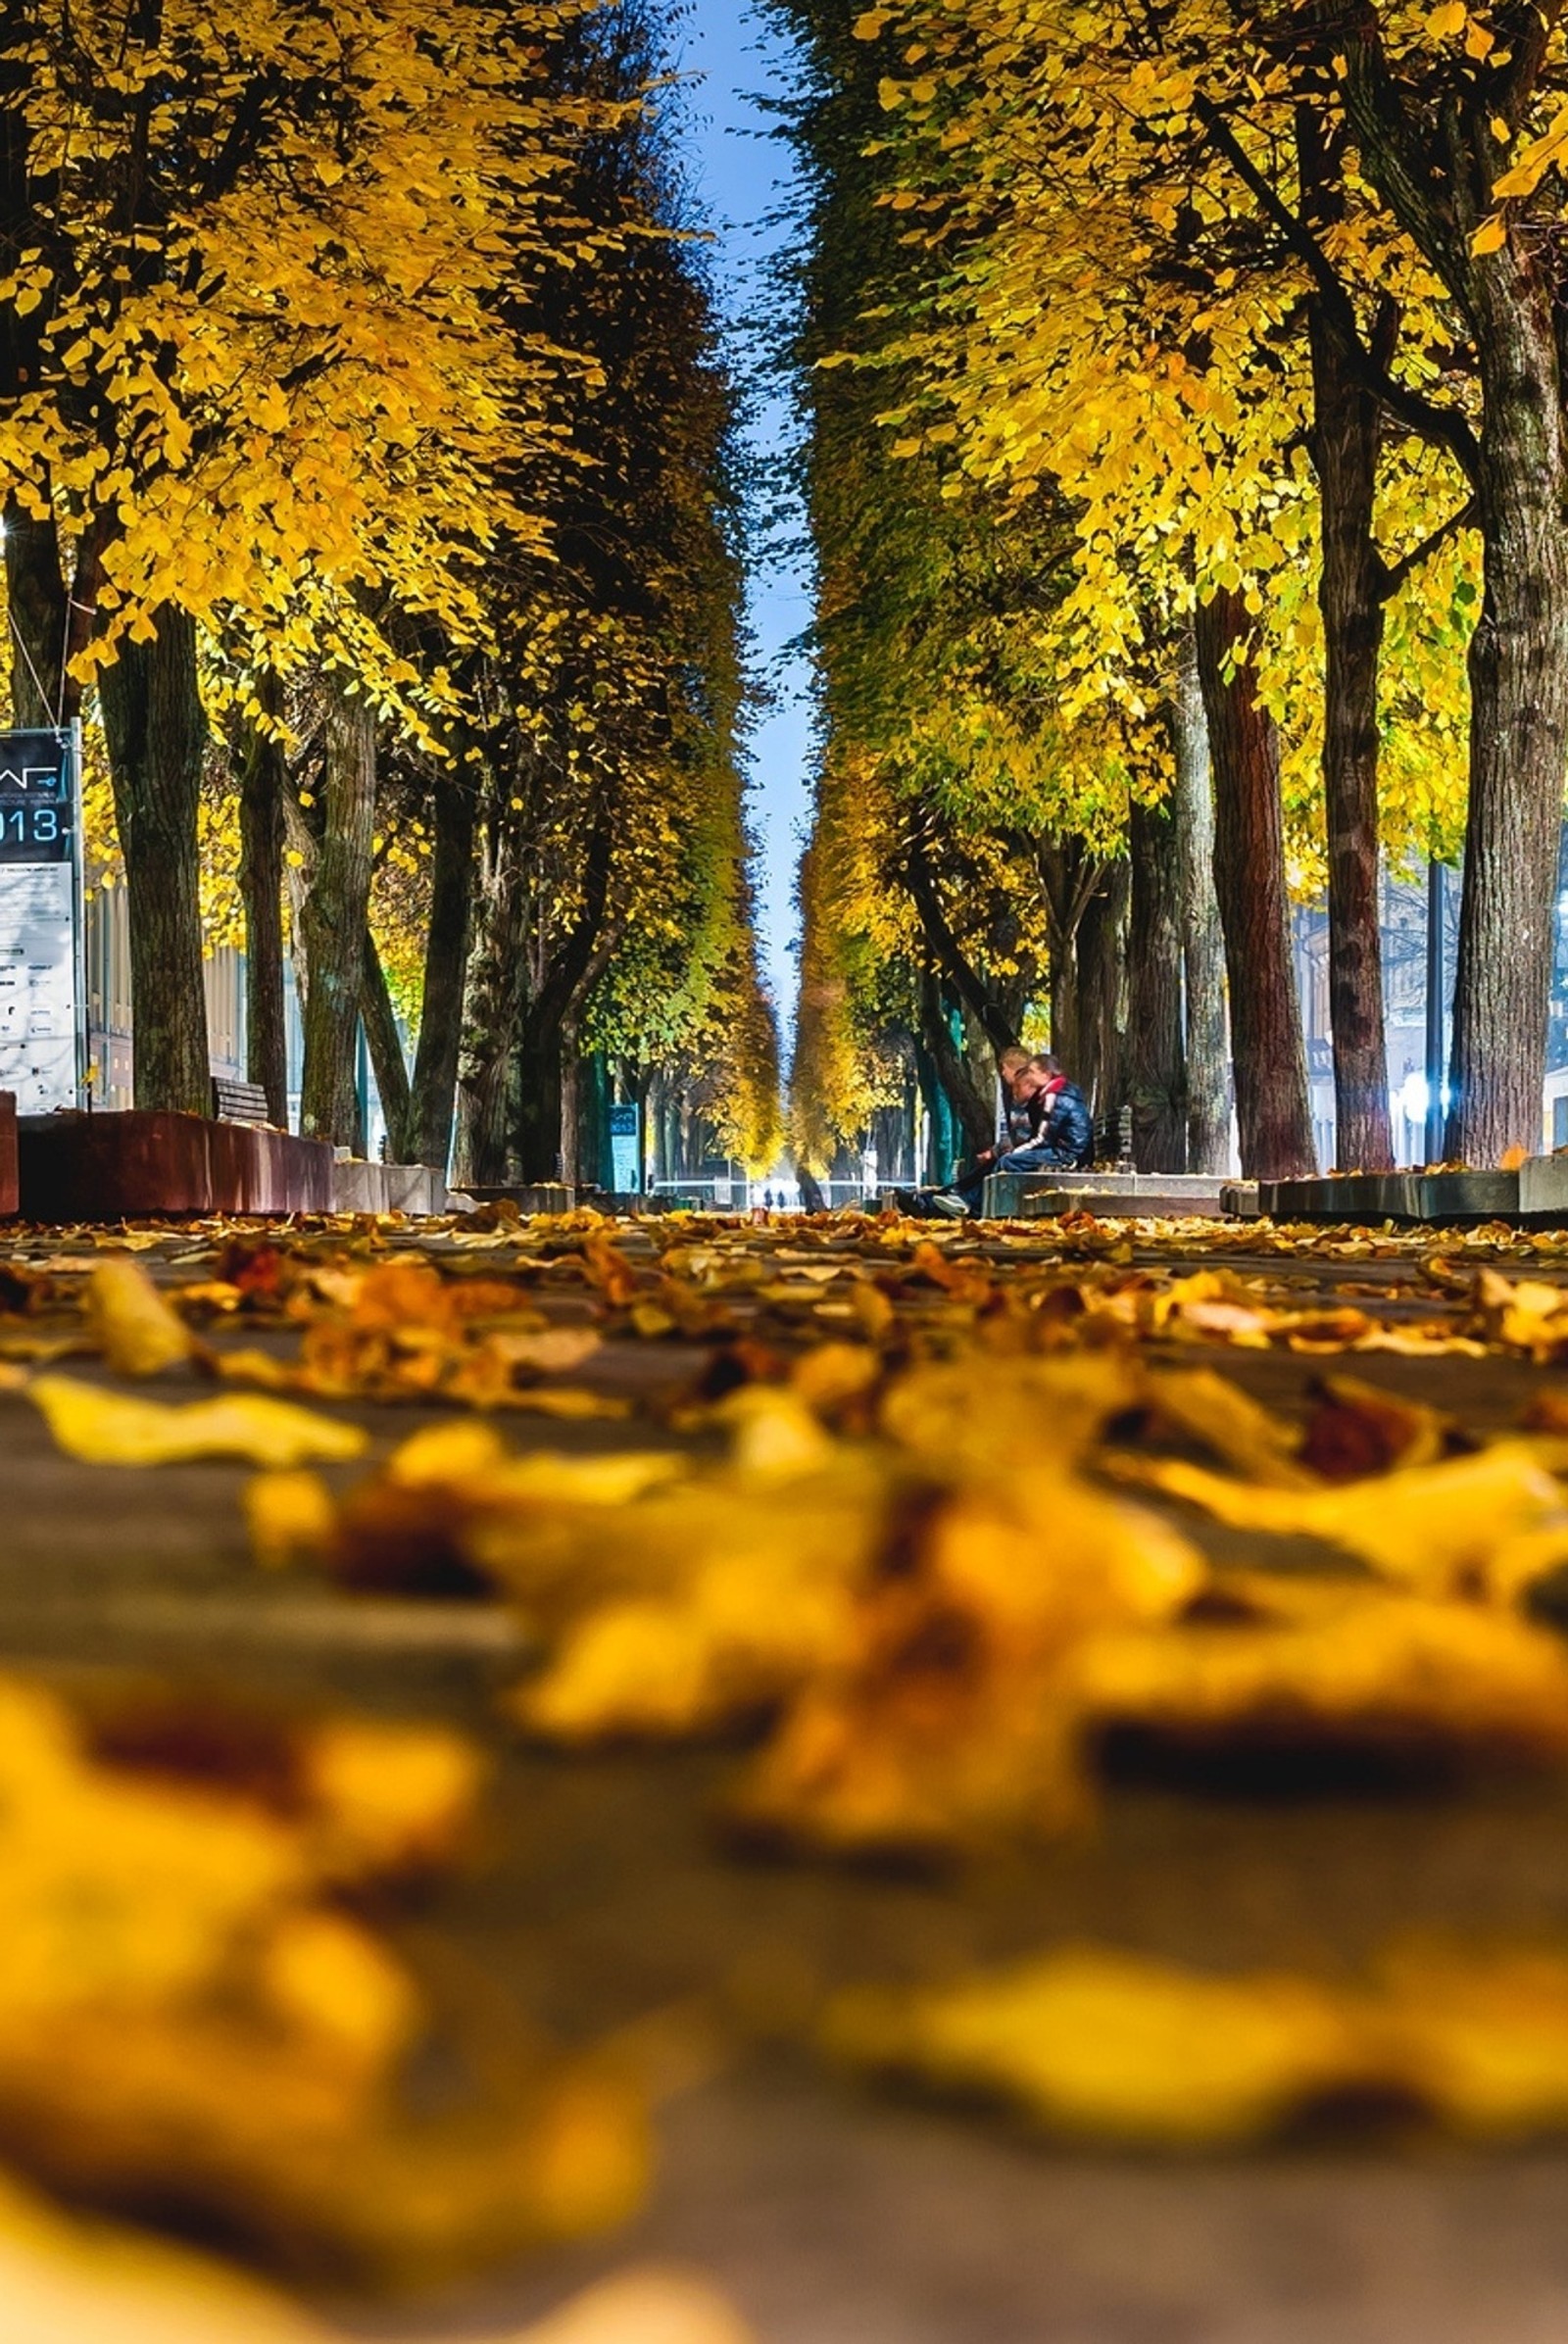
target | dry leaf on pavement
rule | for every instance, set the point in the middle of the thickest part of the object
(112, 1428)
(132, 1323)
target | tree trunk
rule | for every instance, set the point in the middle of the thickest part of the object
(1518, 751)
(432, 1104)
(1099, 1070)
(36, 599)
(333, 920)
(261, 885)
(489, 1012)
(1346, 433)
(1157, 1060)
(571, 973)
(387, 1061)
(156, 731)
(1272, 1103)
(539, 1096)
(1207, 1030)
(992, 1015)
(976, 1115)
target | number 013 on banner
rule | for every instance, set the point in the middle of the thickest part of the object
(42, 996)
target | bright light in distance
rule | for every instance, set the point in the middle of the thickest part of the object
(1416, 1096)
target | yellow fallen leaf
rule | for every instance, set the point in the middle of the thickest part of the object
(650, 2306)
(1481, 2035)
(68, 2280)
(1003, 1415)
(188, 2016)
(1527, 1314)
(705, 1604)
(391, 1799)
(570, 1403)
(1432, 1527)
(553, 1352)
(290, 1516)
(446, 1452)
(939, 1721)
(109, 1428)
(1093, 2042)
(1248, 1437)
(1335, 1667)
(247, 1363)
(134, 1327)
(1088, 2040)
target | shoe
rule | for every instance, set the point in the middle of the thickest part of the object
(951, 1206)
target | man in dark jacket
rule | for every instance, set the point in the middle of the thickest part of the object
(1060, 1137)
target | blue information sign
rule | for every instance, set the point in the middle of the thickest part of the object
(42, 1038)
(37, 797)
(625, 1148)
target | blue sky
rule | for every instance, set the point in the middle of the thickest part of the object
(743, 178)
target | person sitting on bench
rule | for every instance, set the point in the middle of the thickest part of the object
(1060, 1137)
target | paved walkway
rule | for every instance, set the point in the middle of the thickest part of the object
(834, 2217)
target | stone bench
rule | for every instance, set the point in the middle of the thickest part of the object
(529, 1196)
(1534, 1196)
(1116, 1196)
(418, 1190)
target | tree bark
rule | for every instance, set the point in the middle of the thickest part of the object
(976, 1115)
(991, 1014)
(490, 1007)
(333, 920)
(539, 1099)
(1434, 164)
(38, 606)
(1345, 442)
(387, 1061)
(433, 1105)
(1157, 1058)
(1207, 1026)
(1518, 749)
(156, 730)
(260, 884)
(1272, 1105)
(570, 974)
(1101, 953)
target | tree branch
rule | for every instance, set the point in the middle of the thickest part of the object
(915, 873)
(1444, 425)
(1392, 574)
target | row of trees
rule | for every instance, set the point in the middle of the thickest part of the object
(370, 484)
(1189, 489)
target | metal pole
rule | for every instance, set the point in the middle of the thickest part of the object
(1436, 872)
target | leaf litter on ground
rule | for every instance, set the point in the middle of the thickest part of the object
(917, 1531)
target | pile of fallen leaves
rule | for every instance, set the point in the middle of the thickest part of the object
(922, 1529)
(196, 2017)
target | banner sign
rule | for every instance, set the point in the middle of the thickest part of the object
(42, 994)
(626, 1150)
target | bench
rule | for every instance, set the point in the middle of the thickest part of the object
(234, 1101)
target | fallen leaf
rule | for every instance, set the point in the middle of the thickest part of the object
(1357, 1430)
(1332, 1668)
(1095, 2043)
(132, 1323)
(1244, 1434)
(1433, 1527)
(189, 2019)
(938, 1721)
(650, 2306)
(290, 1515)
(111, 1428)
